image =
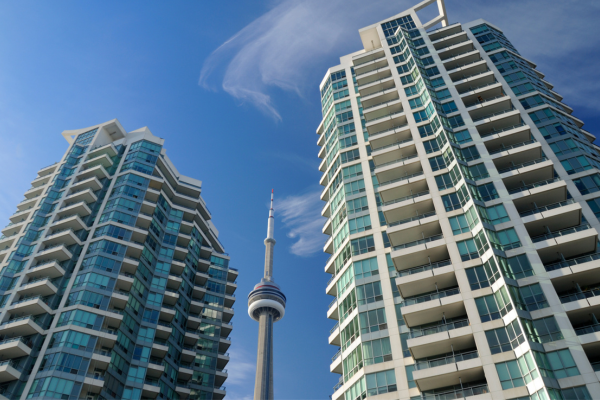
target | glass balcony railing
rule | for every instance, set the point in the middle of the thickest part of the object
(457, 393)
(452, 359)
(418, 332)
(533, 185)
(430, 296)
(584, 294)
(412, 196)
(525, 164)
(513, 146)
(571, 262)
(507, 128)
(493, 115)
(398, 160)
(584, 330)
(422, 268)
(388, 130)
(546, 208)
(401, 179)
(415, 218)
(418, 242)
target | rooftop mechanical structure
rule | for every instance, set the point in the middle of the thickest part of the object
(266, 304)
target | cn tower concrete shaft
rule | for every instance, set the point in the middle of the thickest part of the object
(263, 386)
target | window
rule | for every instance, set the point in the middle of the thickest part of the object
(576, 393)
(556, 364)
(356, 205)
(565, 146)
(453, 201)
(360, 224)
(506, 338)
(475, 172)
(51, 387)
(595, 206)
(362, 245)
(504, 240)
(369, 293)
(372, 321)
(588, 184)
(354, 187)
(542, 330)
(483, 276)
(409, 376)
(577, 164)
(352, 363)
(381, 382)
(541, 116)
(350, 333)
(529, 298)
(424, 115)
(468, 154)
(464, 222)
(516, 267)
(352, 171)
(518, 372)
(448, 180)
(550, 131)
(436, 144)
(350, 156)
(429, 129)
(494, 215)
(366, 268)
(473, 248)
(377, 351)
(460, 137)
(485, 192)
(453, 122)
(494, 306)
(345, 281)
(449, 107)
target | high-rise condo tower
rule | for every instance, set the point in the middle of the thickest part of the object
(114, 284)
(266, 304)
(462, 199)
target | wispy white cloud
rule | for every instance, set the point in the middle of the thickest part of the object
(281, 48)
(301, 216)
(241, 372)
(290, 46)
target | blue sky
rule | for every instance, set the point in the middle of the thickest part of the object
(233, 88)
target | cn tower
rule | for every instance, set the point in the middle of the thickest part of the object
(266, 304)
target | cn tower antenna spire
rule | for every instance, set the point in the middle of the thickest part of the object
(266, 304)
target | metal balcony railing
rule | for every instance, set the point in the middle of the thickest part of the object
(525, 164)
(513, 146)
(546, 208)
(418, 242)
(571, 262)
(415, 333)
(415, 218)
(422, 268)
(533, 185)
(430, 296)
(425, 364)
(561, 232)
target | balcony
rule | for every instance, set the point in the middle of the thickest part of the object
(490, 105)
(386, 123)
(436, 339)
(408, 164)
(336, 363)
(15, 347)
(20, 215)
(517, 175)
(464, 71)
(414, 228)
(420, 252)
(63, 236)
(461, 59)
(73, 222)
(97, 171)
(441, 33)
(403, 207)
(30, 305)
(33, 192)
(21, 326)
(512, 142)
(102, 159)
(54, 252)
(383, 110)
(574, 265)
(40, 181)
(402, 187)
(518, 154)
(375, 75)
(431, 307)
(456, 49)
(451, 369)
(80, 208)
(27, 203)
(475, 81)
(378, 92)
(449, 40)
(48, 170)
(464, 390)
(371, 66)
(498, 121)
(539, 194)
(424, 278)
(108, 149)
(12, 228)
(90, 183)
(9, 371)
(393, 139)
(367, 57)
(554, 217)
(86, 195)
(40, 286)
(569, 243)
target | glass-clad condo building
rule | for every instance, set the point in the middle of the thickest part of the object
(113, 282)
(462, 204)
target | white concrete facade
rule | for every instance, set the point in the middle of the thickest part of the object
(478, 221)
(113, 281)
